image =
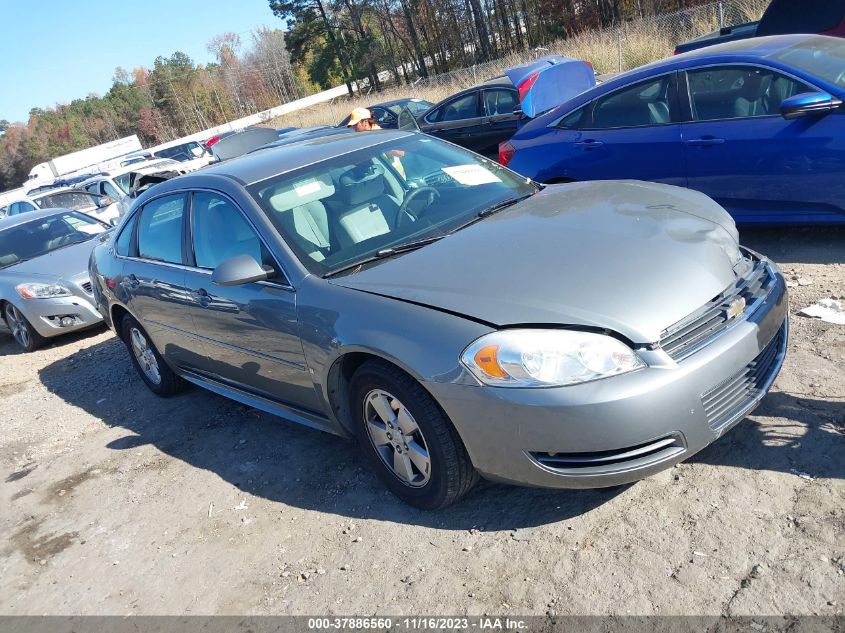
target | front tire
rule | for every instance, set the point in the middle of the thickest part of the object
(408, 439)
(155, 373)
(22, 331)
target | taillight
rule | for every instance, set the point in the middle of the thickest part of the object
(506, 152)
(525, 86)
(590, 64)
(677, 52)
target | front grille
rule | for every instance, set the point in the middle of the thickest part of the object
(644, 454)
(733, 398)
(87, 287)
(695, 331)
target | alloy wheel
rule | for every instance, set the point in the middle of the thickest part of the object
(18, 325)
(397, 438)
(145, 356)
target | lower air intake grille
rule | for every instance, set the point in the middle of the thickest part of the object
(731, 399)
(87, 287)
(653, 451)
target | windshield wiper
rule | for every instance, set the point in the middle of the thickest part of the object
(407, 246)
(485, 213)
(385, 253)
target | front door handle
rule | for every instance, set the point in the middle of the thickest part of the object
(705, 141)
(588, 145)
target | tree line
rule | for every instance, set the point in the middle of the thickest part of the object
(353, 40)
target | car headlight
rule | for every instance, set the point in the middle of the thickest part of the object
(42, 291)
(547, 358)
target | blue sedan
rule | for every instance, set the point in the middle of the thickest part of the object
(758, 125)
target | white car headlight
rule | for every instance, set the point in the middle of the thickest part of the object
(547, 358)
(42, 291)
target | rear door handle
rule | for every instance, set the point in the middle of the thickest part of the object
(588, 145)
(705, 141)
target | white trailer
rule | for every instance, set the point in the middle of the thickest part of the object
(91, 159)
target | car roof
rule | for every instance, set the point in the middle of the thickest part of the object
(273, 161)
(22, 218)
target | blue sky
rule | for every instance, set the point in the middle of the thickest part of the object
(59, 51)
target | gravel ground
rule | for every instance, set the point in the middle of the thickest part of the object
(117, 502)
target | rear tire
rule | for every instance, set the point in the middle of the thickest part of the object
(157, 375)
(22, 331)
(408, 439)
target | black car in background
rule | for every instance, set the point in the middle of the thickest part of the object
(387, 114)
(478, 118)
(782, 17)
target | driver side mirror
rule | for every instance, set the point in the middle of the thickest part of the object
(808, 103)
(105, 201)
(517, 111)
(240, 270)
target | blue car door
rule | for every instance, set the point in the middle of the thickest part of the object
(632, 132)
(760, 166)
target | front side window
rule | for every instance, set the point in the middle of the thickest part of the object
(465, 107)
(643, 104)
(160, 229)
(122, 181)
(349, 208)
(738, 92)
(111, 191)
(498, 102)
(219, 231)
(123, 244)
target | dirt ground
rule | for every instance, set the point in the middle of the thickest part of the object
(116, 502)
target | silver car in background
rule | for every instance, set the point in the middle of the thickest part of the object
(44, 286)
(454, 317)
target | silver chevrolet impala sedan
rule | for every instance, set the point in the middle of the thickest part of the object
(456, 319)
(44, 286)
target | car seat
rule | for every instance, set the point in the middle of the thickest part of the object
(362, 208)
(302, 216)
(751, 101)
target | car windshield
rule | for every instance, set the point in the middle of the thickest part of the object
(356, 207)
(823, 57)
(76, 200)
(39, 237)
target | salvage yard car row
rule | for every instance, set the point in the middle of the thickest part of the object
(455, 317)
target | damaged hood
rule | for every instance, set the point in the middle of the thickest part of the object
(632, 257)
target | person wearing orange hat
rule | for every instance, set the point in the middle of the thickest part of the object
(362, 120)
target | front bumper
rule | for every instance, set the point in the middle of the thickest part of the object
(45, 315)
(621, 429)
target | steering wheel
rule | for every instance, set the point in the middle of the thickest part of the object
(404, 211)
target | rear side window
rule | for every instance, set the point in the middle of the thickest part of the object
(498, 102)
(643, 104)
(160, 229)
(123, 244)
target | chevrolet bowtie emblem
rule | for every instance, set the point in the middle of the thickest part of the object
(735, 309)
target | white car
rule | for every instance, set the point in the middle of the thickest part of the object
(116, 183)
(104, 208)
(191, 155)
